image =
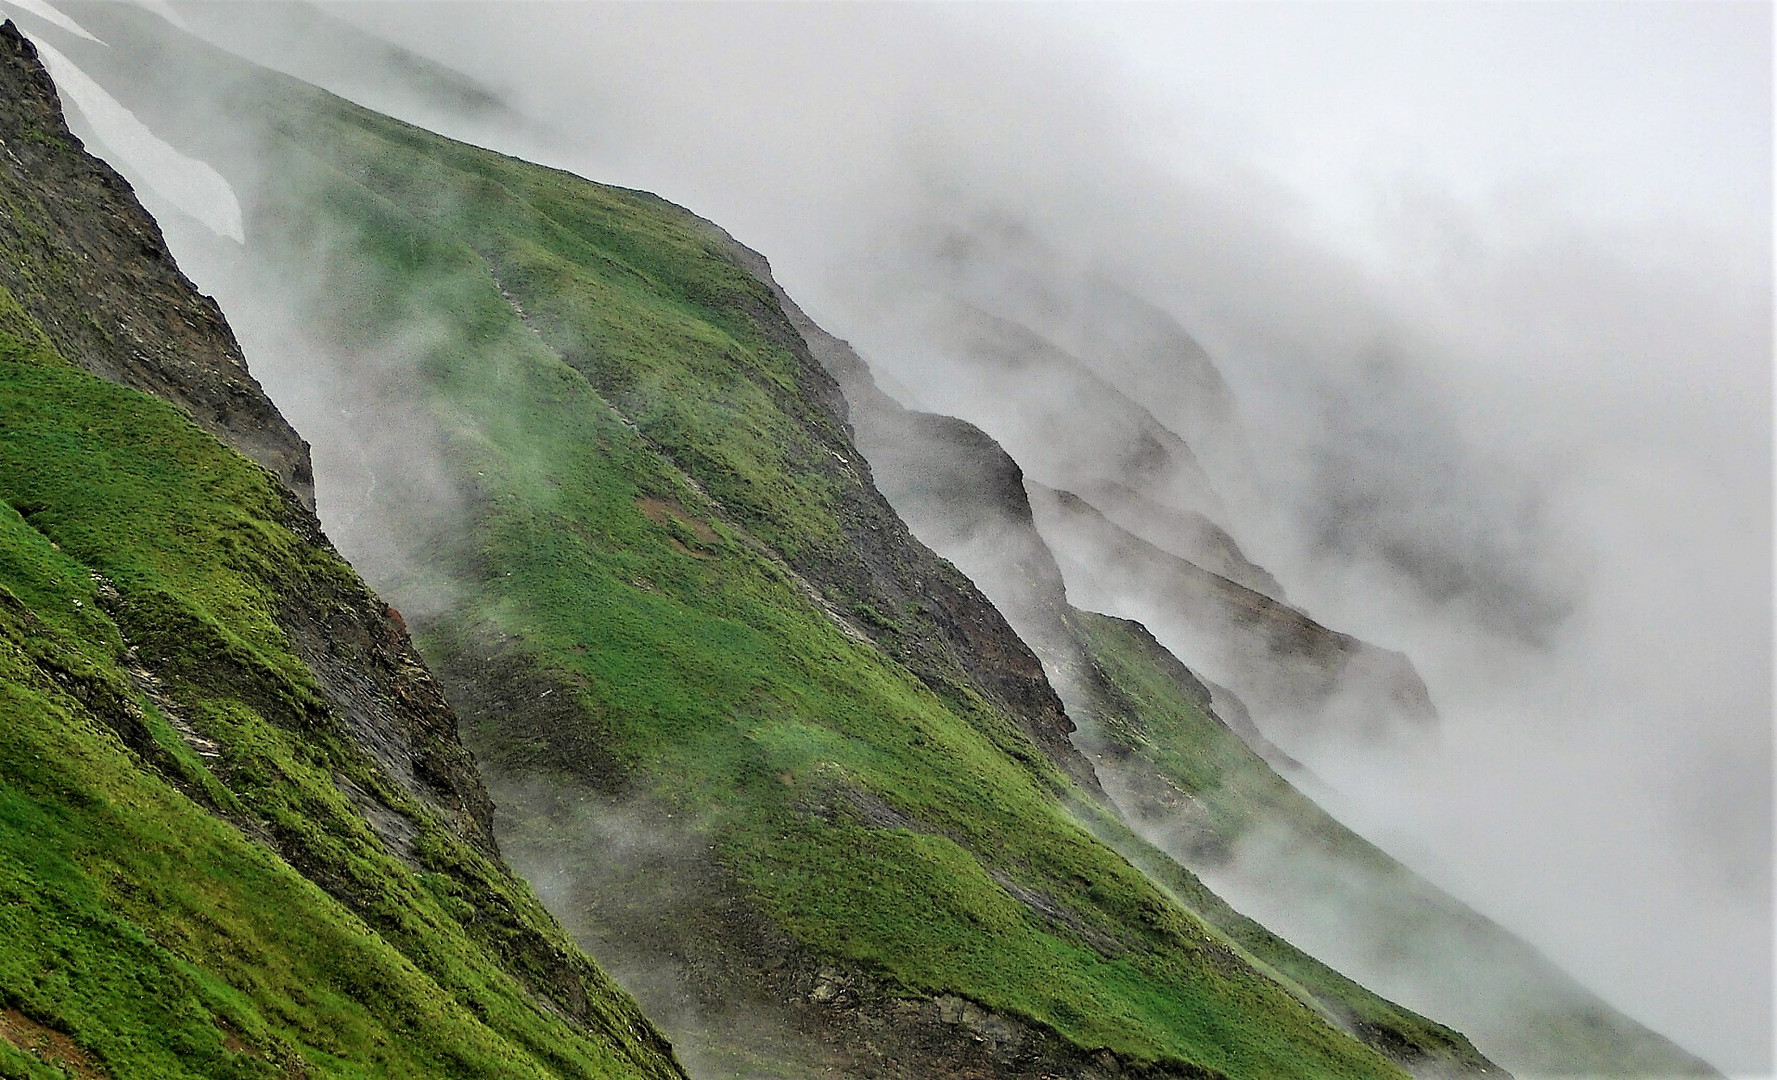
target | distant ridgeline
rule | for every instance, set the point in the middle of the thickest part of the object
(788, 774)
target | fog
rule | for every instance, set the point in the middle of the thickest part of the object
(1490, 287)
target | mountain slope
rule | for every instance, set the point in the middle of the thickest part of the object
(965, 495)
(883, 819)
(697, 653)
(239, 835)
(1192, 776)
(669, 601)
(1067, 425)
(1189, 784)
(1075, 326)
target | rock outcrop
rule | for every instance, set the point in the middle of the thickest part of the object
(91, 267)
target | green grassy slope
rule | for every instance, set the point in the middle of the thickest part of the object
(642, 461)
(642, 472)
(964, 494)
(184, 888)
(1189, 780)
(1217, 788)
(656, 594)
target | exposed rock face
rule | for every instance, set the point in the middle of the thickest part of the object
(1064, 423)
(1068, 323)
(1188, 534)
(965, 496)
(90, 266)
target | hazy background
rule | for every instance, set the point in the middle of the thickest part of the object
(1491, 286)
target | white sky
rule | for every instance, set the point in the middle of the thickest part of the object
(1624, 112)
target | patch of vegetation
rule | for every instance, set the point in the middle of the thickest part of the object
(185, 890)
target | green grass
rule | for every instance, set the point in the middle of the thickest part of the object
(1542, 1021)
(151, 905)
(694, 662)
(1161, 723)
(1235, 791)
(700, 676)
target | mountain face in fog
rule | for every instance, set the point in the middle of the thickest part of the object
(126, 266)
(785, 770)
(241, 835)
(1217, 796)
(1123, 500)
(627, 492)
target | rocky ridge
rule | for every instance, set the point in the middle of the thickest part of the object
(93, 270)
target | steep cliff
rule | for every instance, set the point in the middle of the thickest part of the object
(240, 835)
(1301, 678)
(80, 246)
(1189, 772)
(1067, 426)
